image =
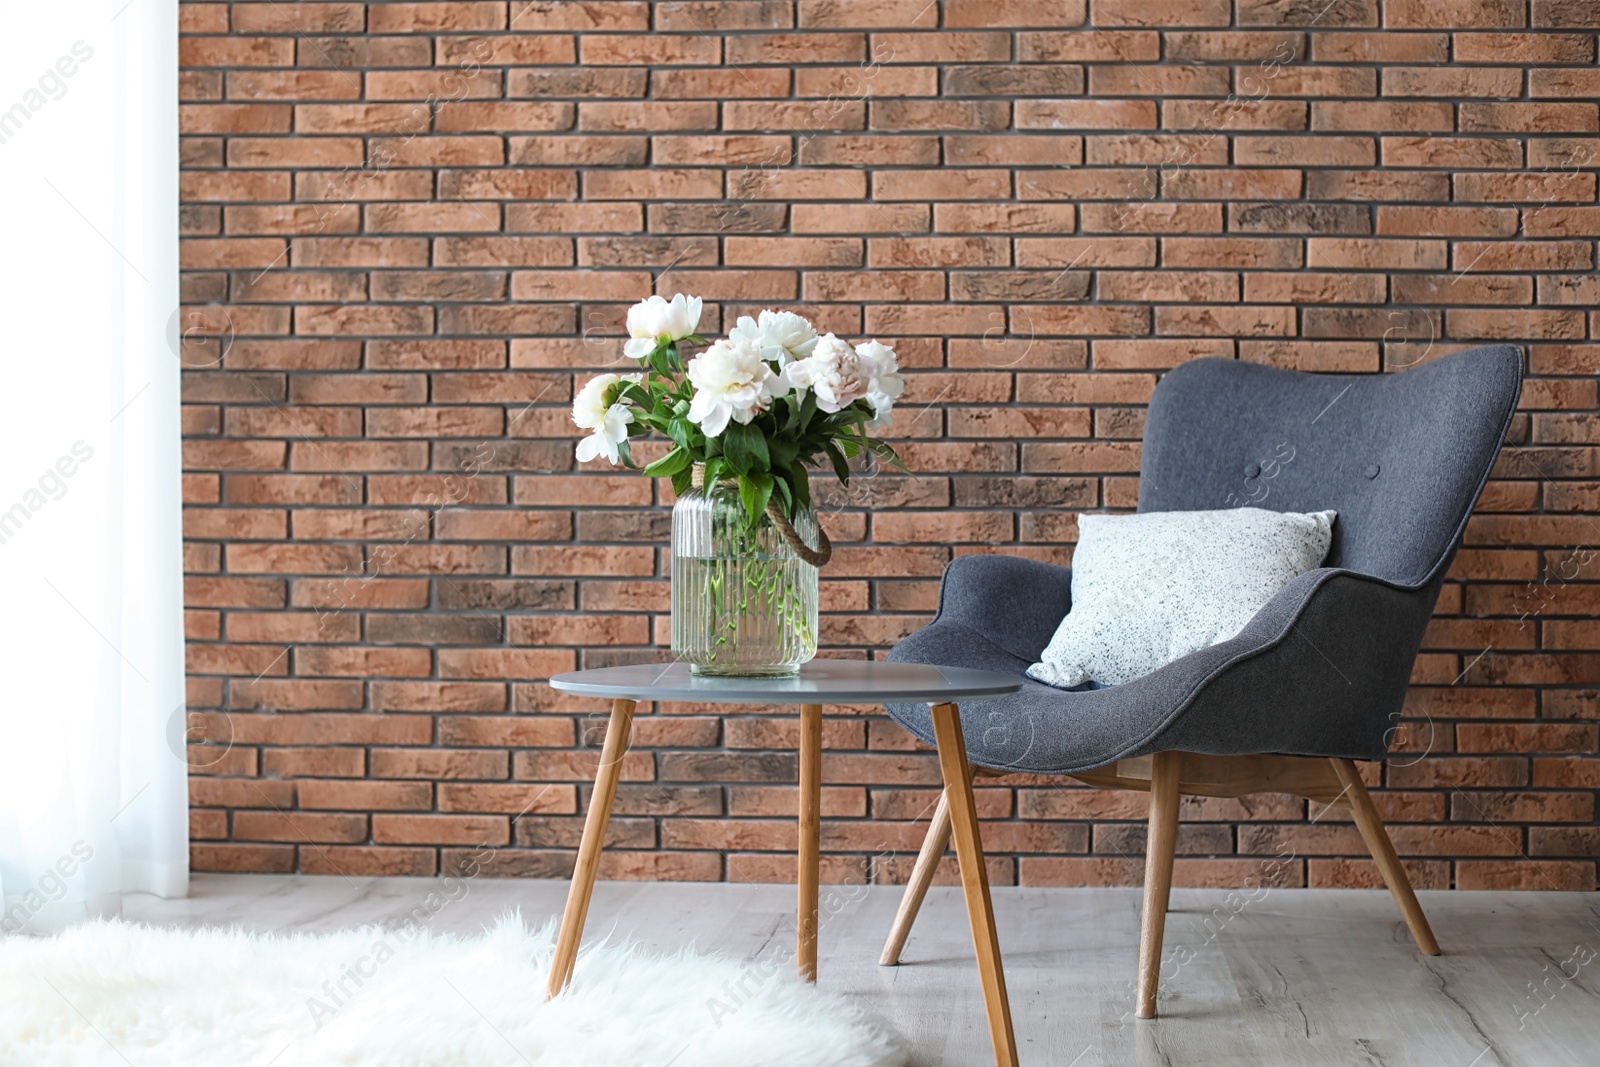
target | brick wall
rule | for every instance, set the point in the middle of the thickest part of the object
(410, 227)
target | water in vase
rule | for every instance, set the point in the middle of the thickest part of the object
(744, 616)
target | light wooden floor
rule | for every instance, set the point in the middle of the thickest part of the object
(1313, 977)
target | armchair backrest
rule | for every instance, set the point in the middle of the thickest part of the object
(1401, 457)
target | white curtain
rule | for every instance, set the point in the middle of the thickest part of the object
(93, 784)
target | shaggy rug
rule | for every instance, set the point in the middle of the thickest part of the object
(116, 993)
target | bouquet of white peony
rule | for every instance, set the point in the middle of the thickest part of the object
(758, 406)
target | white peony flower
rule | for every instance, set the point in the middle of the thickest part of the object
(782, 335)
(887, 384)
(731, 381)
(834, 372)
(589, 406)
(608, 436)
(609, 422)
(655, 318)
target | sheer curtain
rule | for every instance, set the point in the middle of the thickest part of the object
(93, 784)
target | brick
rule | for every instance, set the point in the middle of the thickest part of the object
(298, 826)
(349, 860)
(1375, 254)
(1007, 80)
(352, 52)
(441, 829)
(1182, 13)
(1541, 117)
(452, 16)
(755, 49)
(935, 252)
(1525, 874)
(1533, 48)
(1128, 46)
(1363, 874)
(1415, 14)
(717, 84)
(1452, 82)
(226, 856)
(1382, 116)
(1340, 13)
(235, 52)
(438, 764)
(855, 83)
(737, 14)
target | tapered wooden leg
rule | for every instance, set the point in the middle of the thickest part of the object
(1383, 854)
(974, 879)
(810, 836)
(594, 836)
(933, 847)
(1160, 842)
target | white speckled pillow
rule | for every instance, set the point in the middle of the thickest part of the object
(1151, 588)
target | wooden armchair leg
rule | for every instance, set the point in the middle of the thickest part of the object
(1160, 842)
(1383, 854)
(933, 849)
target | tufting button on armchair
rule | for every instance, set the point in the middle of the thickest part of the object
(1317, 678)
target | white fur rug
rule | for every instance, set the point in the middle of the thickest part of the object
(115, 993)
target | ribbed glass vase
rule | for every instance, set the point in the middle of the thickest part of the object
(743, 602)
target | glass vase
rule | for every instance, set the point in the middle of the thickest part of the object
(743, 601)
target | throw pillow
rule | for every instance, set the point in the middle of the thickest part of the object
(1151, 588)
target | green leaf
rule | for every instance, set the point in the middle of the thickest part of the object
(745, 447)
(669, 464)
(714, 470)
(755, 490)
(682, 481)
(782, 453)
(786, 503)
(791, 414)
(680, 430)
(808, 411)
(852, 416)
(883, 450)
(669, 350)
(802, 485)
(841, 466)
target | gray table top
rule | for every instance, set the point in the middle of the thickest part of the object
(822, 681)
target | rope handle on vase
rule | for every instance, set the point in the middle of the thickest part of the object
(817, 557)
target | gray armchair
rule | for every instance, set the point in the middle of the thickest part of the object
(1317, 679)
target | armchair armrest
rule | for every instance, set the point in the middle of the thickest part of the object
(1016, 604)
(1321, 670)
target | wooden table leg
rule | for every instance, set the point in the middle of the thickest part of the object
(810, 851)
(974, 879)
(594, 836)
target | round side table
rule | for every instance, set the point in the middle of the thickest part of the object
(819, 682)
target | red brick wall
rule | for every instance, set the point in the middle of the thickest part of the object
(410, 227)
